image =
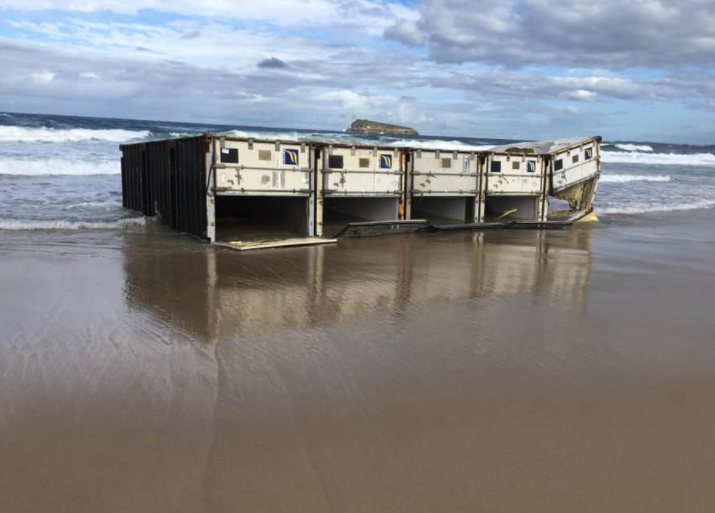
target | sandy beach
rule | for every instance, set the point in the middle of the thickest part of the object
(143, 371)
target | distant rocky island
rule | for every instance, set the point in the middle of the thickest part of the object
(365, 126)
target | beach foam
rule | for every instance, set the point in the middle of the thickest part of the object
(51, 135)
(670, 159)
(633, 178)
(63, 224)
(48, 167)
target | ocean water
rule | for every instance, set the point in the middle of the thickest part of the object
(63, 172)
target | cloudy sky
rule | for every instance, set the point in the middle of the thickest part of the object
(629, 70)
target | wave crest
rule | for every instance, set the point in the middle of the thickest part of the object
(51, 135)
(669, 159)
(633, 178)
(634, 147)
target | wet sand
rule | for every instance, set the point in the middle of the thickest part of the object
(503, 371)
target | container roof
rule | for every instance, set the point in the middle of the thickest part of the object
(545, 147)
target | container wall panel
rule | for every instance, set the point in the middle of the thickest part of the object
(361, 171)
(442, 173)
(514, 174)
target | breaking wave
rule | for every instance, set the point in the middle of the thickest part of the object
(441, 145)
(670, 159)
(51, 135)
(61, 224)
(634, 147)
(633, 178)
(47, 167)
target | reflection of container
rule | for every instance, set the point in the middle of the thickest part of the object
(255, 192)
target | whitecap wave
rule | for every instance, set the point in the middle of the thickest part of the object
(634, 147)
(63, 224)
(440, 145)
(48, 167)
(633, 178)
(51, 135)
(666, 159)
(643, 208)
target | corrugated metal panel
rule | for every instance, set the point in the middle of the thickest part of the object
(167, 178)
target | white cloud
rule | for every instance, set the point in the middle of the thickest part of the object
(43, 77)
(581, 95)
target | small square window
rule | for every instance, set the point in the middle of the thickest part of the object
(335, 161)
(516, 165)
(265, 155)
(229, 155)
(446, 163)
(364, 163)
(558, 165)
(574, 159)
(496, 166)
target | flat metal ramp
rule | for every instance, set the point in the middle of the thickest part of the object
(377, 228)
(285, 243)
(511, 225)
(466, 227)
(539, 225)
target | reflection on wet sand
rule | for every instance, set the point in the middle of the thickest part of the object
(461, 372)
(260, 293)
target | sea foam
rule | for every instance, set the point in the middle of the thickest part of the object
(47, 167)
(633, 178)
(62, 224)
